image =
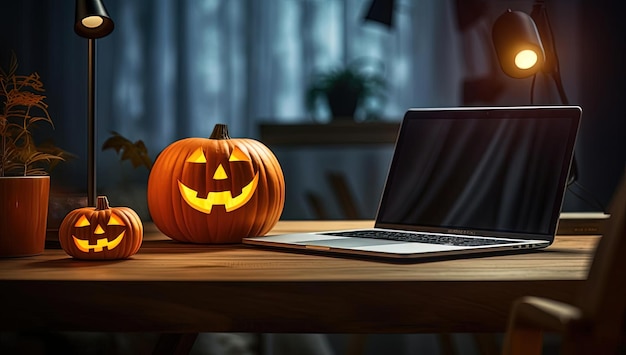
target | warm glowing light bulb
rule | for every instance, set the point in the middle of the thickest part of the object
(92, 21)
(526, 59)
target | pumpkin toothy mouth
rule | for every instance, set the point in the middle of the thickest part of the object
(101, 243)
(224, 198)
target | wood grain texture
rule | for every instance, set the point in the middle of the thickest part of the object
(174, 287)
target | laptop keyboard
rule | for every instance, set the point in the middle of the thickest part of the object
(419, 237)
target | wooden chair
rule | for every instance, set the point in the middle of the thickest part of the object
(341, 192)
(596, 323)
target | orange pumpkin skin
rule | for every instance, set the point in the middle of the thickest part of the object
(216, 190)
(101, 232)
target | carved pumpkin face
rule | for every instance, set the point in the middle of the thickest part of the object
(221, 188)
(215, 190)
(101, 232)
(83, 227)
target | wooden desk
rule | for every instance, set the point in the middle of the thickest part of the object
(174, 287)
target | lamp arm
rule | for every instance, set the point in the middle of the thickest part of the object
(539, 14)
(559, 87)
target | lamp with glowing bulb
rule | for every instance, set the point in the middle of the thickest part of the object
(518, 45)
(92, 21)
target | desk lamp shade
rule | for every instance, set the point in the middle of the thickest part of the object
(381, 11)
(92, 19)
(215, 190)
(517, 44)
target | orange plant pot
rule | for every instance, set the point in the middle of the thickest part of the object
(23, 215)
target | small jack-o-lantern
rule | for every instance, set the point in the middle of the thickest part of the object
(215, 190)
(101, 233)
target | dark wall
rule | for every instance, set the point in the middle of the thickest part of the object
(601, 148)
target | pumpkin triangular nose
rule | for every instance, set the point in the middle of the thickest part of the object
(220, 173)
(98, 230)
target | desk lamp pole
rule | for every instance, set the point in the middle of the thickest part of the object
(92, 21)
(91, 123)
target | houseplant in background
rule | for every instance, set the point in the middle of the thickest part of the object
(135, 152)
(357, 86)
(24, 166)
(129, 186)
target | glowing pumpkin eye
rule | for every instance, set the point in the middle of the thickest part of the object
(115, 221)
(238, 155)
(82, 222)
(197, 157)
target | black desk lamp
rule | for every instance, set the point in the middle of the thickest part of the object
(92, 21)
(518, 45)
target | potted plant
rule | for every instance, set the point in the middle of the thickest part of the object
(130, 189)
(135, 152)
(347, 89)
(24, 166)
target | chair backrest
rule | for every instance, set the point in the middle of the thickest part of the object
(603, 300)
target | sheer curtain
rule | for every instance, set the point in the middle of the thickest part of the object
(172, 69)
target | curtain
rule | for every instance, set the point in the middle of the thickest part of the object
(173, 68)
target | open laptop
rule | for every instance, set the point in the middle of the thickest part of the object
(463, 181)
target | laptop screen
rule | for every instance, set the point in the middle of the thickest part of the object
(493, 171)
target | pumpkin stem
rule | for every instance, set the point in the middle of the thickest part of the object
(220, 131)
(102, 203)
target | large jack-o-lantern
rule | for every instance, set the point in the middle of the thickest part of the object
(101, 232)
(215, 190)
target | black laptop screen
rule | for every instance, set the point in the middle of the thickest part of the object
(496, 170)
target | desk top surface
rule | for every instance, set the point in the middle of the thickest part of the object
(173, 287)
(161, 259)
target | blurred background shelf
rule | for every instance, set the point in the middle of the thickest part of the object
(333, 133)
